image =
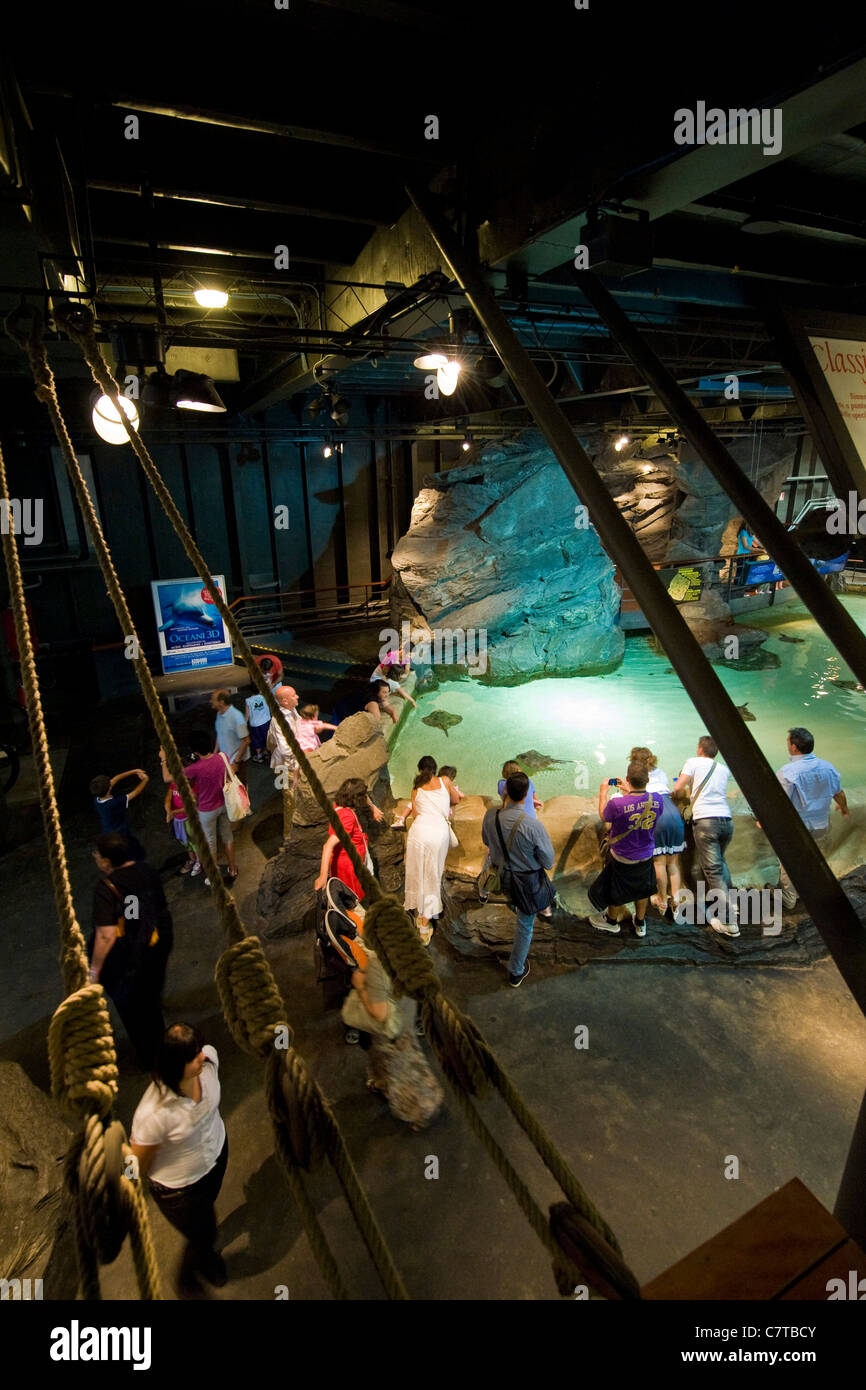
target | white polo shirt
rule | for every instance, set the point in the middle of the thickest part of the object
(190, 1134)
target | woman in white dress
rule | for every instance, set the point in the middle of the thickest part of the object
(427, 845)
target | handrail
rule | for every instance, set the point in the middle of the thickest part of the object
(365, 584)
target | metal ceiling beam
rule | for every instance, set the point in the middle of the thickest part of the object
(307, 134)
(224, 200)
(540, 237)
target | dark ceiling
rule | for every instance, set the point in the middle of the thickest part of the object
(261, 127)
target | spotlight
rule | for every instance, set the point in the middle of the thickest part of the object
(446, 377)
(339, 410)
(431, 361)
(314, 406)
(327, 451)
(107, 421)
(621, 443)
(466, 445)
(195, 391)
(211, 298)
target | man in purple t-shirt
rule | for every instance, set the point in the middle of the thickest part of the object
(628, 876)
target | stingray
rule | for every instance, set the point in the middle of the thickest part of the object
(533, 761)
(746, 713)
(783, 637)
(441, 719)
(847, 685)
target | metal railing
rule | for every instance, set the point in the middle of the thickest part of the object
(737, 581)
(299, 608)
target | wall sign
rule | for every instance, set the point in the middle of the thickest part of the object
(190, 630)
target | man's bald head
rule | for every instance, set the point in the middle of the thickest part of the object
(286, 697)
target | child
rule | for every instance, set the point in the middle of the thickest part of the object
(112, 807)
(532, 803)
(175, 815)
(451, 773)
(258, 718)
(309, 728)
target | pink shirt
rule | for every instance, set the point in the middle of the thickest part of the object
(308, 734)
(207, 777)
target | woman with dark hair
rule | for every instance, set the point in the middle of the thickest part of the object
(350, 799)
(427, 845)
(179, 1139)
(669, 834)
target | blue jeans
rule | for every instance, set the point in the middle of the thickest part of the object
(712, 837)
(522, 942)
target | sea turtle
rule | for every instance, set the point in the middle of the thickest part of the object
(533, 761)
(441, 719)
(747, 713)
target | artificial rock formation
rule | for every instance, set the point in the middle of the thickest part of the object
(493, 545)
(357, 749)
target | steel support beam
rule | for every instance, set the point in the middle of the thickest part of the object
(822, 603)
(833, 914)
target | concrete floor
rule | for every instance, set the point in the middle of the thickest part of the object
(684, 1067)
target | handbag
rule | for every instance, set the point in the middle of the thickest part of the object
(235, 794)
(354, 1015)
(528, 890)
(688, 810)
(497, 878)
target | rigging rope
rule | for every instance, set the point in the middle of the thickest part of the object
(465, 1057)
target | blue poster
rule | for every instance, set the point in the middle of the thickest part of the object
(190, 629)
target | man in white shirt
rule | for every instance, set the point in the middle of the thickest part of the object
(232, 734)
(811, 783)
(283, 759)
(713, 825)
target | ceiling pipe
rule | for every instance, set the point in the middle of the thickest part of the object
(224, 200)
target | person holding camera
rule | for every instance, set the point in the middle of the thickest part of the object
(520, 848)
(630, 813)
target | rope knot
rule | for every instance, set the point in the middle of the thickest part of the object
(81, 1053)
(390, 932)
(251, 1002)
(95, 1177)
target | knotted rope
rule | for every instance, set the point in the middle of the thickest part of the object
(252, 1003)
(81, 1051)
(465, 1057)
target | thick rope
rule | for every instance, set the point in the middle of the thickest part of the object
(251, 999)
(465, 1056)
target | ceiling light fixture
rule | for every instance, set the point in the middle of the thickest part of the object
(339, 410)
(211, 298)
(447, 376)
(195, 391)
(466, 445)
(107, 421)
(431, 361)
(327, 451)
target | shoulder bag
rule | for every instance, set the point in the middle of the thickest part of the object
(235, 794)
(688, 810)
(497, 879)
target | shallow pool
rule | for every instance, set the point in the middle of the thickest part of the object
(590, 723)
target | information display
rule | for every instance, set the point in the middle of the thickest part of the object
(191, 632)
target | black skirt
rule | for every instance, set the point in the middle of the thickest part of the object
(620, 883)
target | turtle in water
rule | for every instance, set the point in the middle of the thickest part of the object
(783, 637)
(533, 761)
(441, 719)
(746, 713)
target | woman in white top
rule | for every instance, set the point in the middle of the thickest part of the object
(427, 845)
(669, 834)
(179, 1139)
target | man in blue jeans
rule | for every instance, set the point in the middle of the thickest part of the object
(713, 825)
(529, 849)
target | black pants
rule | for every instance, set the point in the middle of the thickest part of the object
(191, 1209)
(140, 1007)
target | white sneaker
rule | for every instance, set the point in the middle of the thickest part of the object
(640, 930)
(600, 922)
(724, 928)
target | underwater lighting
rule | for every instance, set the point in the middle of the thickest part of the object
(447, 376)
(107, 421)
(620, 443)
(211, 298)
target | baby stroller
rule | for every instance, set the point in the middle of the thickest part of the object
(339, 948)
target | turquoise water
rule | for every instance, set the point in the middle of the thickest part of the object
(594, 720)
